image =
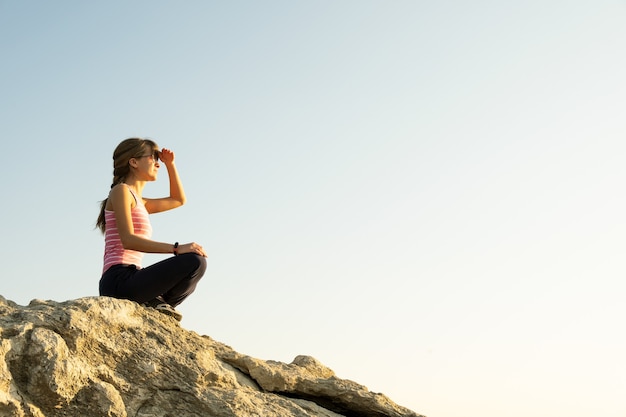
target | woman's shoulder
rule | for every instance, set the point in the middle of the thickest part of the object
(122, 192)
(118, 189)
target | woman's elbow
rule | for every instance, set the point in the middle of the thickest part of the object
(127, 243)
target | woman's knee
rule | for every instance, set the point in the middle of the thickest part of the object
(201, 264)
(197, 263)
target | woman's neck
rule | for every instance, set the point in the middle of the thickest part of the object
(136, 185)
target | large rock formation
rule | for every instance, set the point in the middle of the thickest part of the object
(105, 357)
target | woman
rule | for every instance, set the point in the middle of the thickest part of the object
(126, 226)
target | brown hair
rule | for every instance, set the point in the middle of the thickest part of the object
(127, 149)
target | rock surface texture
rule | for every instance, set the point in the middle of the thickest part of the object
(105, 357)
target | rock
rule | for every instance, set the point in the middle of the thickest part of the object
(99, 356)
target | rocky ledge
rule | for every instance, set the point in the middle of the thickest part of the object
(99, 356)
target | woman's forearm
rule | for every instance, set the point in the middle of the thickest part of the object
(141, 244)
(177, 192)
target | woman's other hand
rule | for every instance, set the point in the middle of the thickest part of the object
(192, 247)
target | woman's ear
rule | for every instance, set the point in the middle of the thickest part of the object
(132, 162)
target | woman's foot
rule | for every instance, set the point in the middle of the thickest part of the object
(161, 306)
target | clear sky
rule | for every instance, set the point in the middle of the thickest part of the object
(425, 196)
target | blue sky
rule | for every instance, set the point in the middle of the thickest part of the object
(427, 197)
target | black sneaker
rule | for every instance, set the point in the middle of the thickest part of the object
(165, 308)
(154, 302)
(159, 304)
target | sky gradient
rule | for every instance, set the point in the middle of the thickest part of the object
(426, 197)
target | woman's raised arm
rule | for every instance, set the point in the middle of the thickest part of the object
(177, 193)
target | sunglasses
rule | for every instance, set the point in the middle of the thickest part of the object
(154, 156)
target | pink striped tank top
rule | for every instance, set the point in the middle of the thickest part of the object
(114, 252)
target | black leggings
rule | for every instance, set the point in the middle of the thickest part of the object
(173, 278)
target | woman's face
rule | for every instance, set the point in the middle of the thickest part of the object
(147, 166)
